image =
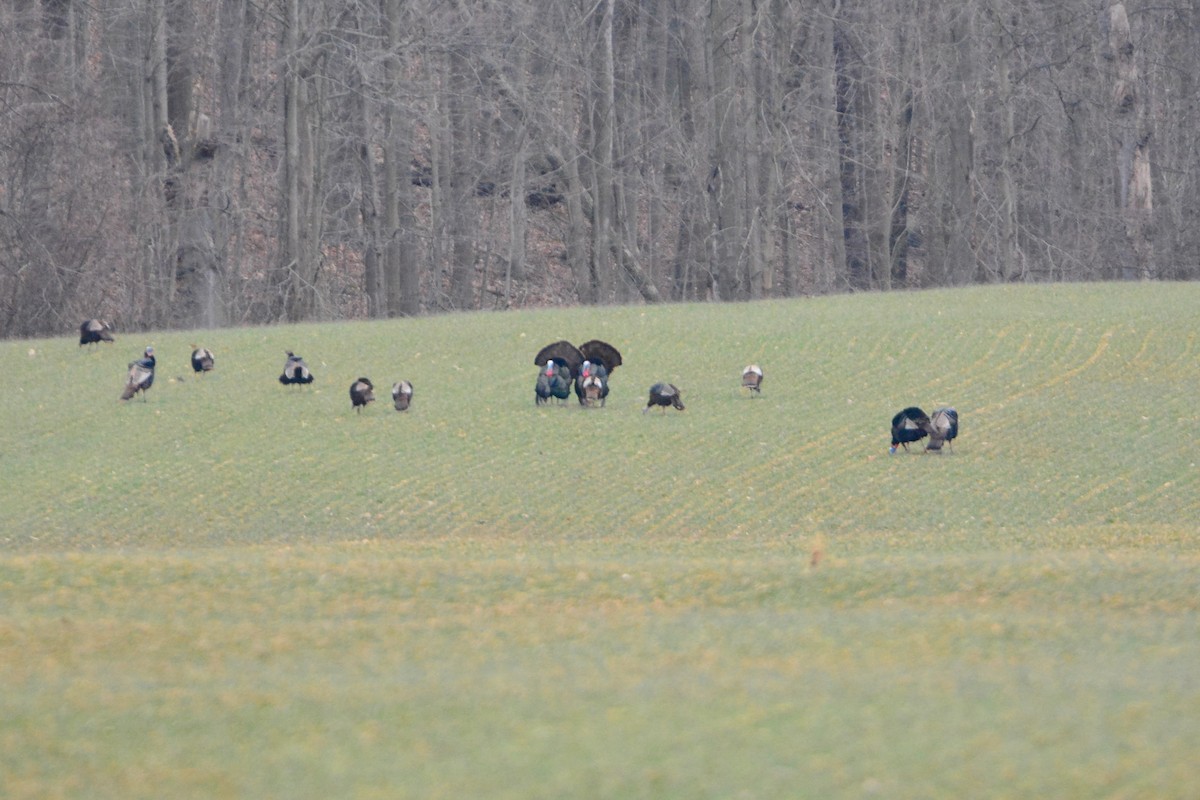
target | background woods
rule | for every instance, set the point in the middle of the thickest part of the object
(175, 164)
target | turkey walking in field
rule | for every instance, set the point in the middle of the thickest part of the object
(910, 425)
(202, 359)
(554, 380)
(94, 331)
(591, 385)
(402, 393)
(664, 394)
(943, 429)
(600, 360)
(140, 376)
(752, 378)
(361, 392)
(559, 364)
(295, 370)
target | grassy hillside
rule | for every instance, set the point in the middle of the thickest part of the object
(242, 589)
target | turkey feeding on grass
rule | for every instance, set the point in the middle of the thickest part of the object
(295, 370)
(202, 359)
(361, 392)
(752, 378)
(910, 425)
(664, 394)
(402, 393)
(94, 331)
(943, 429)
(140, 376)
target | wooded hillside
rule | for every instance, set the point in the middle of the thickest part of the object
(167, 163)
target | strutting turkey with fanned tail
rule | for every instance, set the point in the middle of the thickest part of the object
(402, 392)
(140, 376)
(295, 371)
(559, 363)
(588, 367)
(362, 391)
(664, 395)
(910, 425)
(599, 361)
(943, 429)
(202, 360)
(94, 331)
(752, 378)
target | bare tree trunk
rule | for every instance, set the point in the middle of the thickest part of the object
(954, 164)
(830, 264)
(300, 250)
(515, 264)
(1133, 162)
(462, 226)
(727, 175)
(603, 112)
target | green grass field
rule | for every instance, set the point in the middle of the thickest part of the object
(237, 589)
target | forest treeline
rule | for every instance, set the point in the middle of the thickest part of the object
(169, 163)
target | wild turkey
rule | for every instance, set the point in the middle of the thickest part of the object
(362, 391)
(402, 393)
(554, 380)
(664, 394)
(202, 359)
(591, 385)
(140, 376)
(295, 370)
(943, 428)
(562, 353)
(752, 378)
(94, 331)
(600, 359)
(910, 425)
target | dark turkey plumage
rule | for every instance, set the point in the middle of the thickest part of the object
(295, 370)
(140, 376)
(589, 366)
(554, 380)
(402, 392)
(943, 429)
(752, 378)
(602, 353)
(362, 391)
(562, 353)
(664, 394)
(94, 331)
(591, 385)
(202, 359)
(910, 425)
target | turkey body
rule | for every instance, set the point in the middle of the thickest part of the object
(589, 366)
(591, 386)
(402, 392)
(943, 429)
(202, 359)
(664, 395)
(752, 378)
(295, 371)
(94, 331)
(140, 376)
(554, 381)
(910, 425)
(362, 391)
